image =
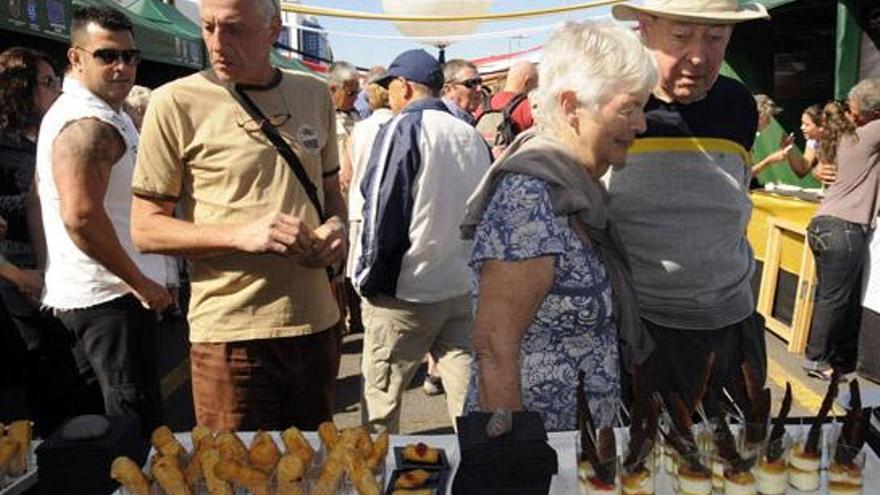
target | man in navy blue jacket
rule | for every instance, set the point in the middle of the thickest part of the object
(412, 271)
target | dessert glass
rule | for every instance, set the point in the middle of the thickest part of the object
(638, 477)
(804, 469)
(771, 469)
(845, 478)
(694, 476)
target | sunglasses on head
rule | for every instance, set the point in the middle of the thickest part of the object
(471, 83)
(109, 56)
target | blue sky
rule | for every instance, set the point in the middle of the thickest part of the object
(368, 52)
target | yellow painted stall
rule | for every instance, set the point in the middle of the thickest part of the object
(777, 233)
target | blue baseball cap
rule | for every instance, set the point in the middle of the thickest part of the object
(417, 66)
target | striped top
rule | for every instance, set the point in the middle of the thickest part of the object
(681, 204)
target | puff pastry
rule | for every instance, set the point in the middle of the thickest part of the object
(289, 476)
(252, 479)
(264, 453)
(166, 470)
(21, 433)
(129, 475)
(216, 486)
(164, 442)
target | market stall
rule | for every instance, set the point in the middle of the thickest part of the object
(777, 234)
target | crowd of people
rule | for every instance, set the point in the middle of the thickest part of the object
(604, 234)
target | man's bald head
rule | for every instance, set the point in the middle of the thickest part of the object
(522, 77)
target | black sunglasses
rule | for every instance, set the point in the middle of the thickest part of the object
(471, 83)
(109, 56)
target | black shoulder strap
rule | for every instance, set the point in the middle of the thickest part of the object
(281, 145)
(285, 151)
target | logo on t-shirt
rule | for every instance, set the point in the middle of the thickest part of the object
(308, 138)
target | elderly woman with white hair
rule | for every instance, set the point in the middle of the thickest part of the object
(550, 281)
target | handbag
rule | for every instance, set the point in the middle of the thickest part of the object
(286, 152)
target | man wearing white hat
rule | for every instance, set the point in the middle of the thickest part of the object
(681, 203)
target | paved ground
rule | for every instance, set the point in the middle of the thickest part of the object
(421, 414)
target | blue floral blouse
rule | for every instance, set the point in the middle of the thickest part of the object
(573, 329)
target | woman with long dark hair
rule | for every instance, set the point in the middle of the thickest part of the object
(28, 87)
(838, 234)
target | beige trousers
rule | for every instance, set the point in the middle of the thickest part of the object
(397, 335)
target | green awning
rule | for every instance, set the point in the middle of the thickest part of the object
(158, 39)
(163, 14)
(291, 64)
(166, 14)
(45, 18)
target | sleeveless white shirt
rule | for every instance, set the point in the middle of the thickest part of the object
(73, 279)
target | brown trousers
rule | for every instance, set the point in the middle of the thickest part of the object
(267, 384)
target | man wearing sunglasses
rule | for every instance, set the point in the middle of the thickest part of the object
(103, 290)
(345, 85)
(462, 89)
(412, 268)
(263, 320)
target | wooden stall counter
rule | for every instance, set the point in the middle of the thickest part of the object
(777, 234)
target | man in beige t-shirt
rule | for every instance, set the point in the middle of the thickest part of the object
(262, 312)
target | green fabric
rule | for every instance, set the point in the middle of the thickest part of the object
(165, 14)
(849, 44)
(158, 39)
(294, 64)
(767, 142)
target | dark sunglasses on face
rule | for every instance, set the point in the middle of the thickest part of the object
(471, 83)
(109, 56)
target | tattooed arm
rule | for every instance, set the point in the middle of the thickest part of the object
(82, 159)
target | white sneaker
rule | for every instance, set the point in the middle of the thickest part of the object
(433, 385)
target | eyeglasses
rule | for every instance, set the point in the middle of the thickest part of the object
(109, 56)
(50, 82)
(254, 125)
(470, 83)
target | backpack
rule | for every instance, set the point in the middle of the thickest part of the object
(495, 125)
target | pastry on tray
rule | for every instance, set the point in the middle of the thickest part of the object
(21, 432)
(129, 475)
(415, 478)
(264, 453)
(421, 453)
(164, 442)
(166, 470)
(8, 451)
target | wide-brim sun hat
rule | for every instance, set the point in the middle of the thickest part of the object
(698, 11)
